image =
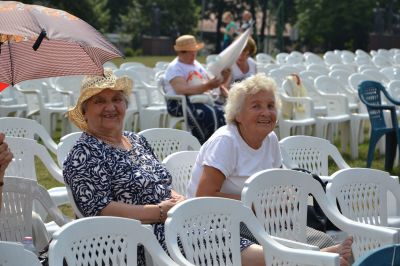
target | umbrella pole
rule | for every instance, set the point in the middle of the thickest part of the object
(11, 62)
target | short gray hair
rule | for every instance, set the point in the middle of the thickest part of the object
(241, 90)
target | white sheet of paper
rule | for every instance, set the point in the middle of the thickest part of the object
(228, 57)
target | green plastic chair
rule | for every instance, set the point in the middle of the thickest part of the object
(371, 93)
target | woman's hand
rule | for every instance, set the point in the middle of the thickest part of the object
(226, 74)
(175, 195)
(166, 205)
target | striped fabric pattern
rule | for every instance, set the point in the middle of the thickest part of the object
(71, 46)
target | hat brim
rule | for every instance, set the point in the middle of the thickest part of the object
(75, 114)
(191, 48)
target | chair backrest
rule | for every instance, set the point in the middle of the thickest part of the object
(14, 254)
(279, 199)
(263, 193)
(104, 241)
(208, 228)
(23, 163)
(166, 141)
(376, 76)
(16, 210)
(26, 128)
(180, 165)
(362, 194)
(65, 145)
(370, 93)
(310, 153)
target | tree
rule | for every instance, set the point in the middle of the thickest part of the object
(336, 24)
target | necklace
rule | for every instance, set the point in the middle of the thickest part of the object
(123, 145)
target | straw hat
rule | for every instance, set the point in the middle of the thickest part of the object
(92, 85)
(187, 43)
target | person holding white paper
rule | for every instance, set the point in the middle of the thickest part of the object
(186, 76)
(245, 66)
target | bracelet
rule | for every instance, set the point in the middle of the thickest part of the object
(161, 217)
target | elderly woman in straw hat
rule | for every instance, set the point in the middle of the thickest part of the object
(114, 172)
(186, 76)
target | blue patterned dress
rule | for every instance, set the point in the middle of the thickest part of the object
(98, 174)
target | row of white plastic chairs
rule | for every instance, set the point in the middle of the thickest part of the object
(165, 134)
(193, 221)
(380, 58)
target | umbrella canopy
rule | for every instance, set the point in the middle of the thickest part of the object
(38, 42)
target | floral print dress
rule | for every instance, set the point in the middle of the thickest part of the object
(98, 173)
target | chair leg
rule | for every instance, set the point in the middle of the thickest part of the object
(390, 147)
(371, 148)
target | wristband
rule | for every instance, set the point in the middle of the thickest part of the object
(161, 217)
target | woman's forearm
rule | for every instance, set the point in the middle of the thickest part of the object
(143, 213)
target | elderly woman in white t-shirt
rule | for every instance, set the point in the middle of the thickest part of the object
(246, 145)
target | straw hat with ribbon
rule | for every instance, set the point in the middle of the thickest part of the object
(187, 43)
(92, 85)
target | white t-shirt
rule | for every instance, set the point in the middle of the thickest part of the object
(194, 74)
(226, 151)
(238, 75)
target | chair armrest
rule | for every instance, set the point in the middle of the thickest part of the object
(43, 197)
(294, 244)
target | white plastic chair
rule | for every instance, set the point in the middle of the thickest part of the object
(302, 120)
(392, 73)
(375, 75)
(332, 85)
(16, 210)
(166, 141)
(131, 64)
(264, 58)
(65, 145)
(14, 254)
(279, 197)
(11, 101)
(208, 228)
(363, 194)
(37, 105)
(23, 164)
(321, 69)
(310, 153)
(151, 112)
(179, 165)
(104, 241)
(331, 58)
(27, 128)
(311, 58)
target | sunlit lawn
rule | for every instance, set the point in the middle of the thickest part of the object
(47, 181)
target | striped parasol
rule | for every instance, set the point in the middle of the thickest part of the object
(39, 42)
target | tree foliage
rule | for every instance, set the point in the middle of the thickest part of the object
(94, 12)
(339, 24)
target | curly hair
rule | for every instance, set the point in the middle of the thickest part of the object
(250, 86)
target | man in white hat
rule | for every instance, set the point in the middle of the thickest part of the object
(186, 76)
